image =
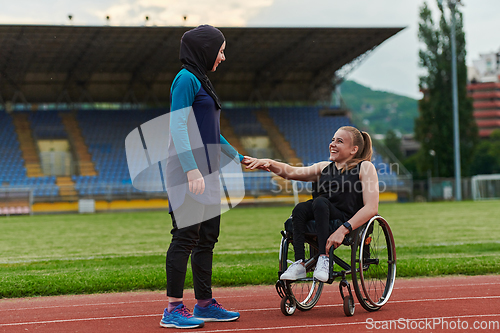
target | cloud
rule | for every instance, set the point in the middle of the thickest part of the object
(393, 66)
(172, 12)
(336, 13)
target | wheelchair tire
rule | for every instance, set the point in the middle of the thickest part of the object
(349, 306)
(287, 306)
(304, 292)
(373, 260)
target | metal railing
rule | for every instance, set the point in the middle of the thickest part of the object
(257, 184)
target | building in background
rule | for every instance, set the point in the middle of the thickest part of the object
(484, 89)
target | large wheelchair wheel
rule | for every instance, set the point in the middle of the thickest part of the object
(373, 260)
(304, 292)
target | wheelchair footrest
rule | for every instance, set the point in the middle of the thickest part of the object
(281, 289)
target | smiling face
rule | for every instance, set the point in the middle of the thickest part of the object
(220, 57)
(341, 148)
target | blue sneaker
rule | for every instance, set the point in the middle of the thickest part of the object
(180, 318)
(214, 312)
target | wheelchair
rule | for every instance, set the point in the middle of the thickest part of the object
(371, 263)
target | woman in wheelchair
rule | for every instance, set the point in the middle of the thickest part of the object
(347, 190)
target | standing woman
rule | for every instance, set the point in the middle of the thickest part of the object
(192, 176)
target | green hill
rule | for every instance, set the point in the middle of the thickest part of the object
(379, 110)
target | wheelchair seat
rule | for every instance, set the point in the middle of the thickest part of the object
(311, 225)
(311, 229)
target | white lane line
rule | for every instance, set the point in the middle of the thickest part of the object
(445, 299)
(255, 328)
(346, 324)
(82, 305)
(264, 309)
(325, 291)
(78, 319)
(455, 285)
(261, 309)
(426, 287)
(390, 302)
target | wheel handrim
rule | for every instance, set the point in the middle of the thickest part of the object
(377, 267)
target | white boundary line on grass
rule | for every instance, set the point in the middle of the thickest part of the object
(131, 255)
(126, 255)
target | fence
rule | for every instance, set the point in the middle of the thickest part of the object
(257, 184)
(440, 189)
(16, 201)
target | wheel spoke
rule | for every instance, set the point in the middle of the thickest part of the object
(305, 292)
(376, 260)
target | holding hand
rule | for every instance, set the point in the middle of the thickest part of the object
(196, 181)
(263, 164)
(336, 238)
(247, 160)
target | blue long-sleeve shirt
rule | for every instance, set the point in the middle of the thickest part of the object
(188, 95)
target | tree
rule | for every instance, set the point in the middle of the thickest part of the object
(434, 126)
(487, 155)
(393, 143)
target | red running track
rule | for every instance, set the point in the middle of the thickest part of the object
(448, 304)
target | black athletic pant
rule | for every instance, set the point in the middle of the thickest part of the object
(198, 241)
(322, 211)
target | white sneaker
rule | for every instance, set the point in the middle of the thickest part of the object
(294, 272)
(322, 269)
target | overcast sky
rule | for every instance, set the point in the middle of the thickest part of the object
(392, 67)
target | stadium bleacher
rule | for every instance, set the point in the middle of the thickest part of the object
(104, 132)
(11, 167)
(244, 121)
(47, 125)
(12, 170)
(309, 133)
(10, 154)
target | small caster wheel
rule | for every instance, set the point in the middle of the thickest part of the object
(287, 306)
(348, 306)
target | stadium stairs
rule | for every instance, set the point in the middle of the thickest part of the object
(83, 158)
(280, 144)
(277, 138)
(27, 145)
(67, 190)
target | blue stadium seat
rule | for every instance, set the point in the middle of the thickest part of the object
(104, 132)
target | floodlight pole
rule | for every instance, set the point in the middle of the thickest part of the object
(452, 4)
(458, 173)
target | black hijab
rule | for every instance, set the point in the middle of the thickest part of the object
(199, 50)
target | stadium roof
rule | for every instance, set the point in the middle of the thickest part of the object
(47, 64)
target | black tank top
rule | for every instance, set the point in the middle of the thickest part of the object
(343, 189)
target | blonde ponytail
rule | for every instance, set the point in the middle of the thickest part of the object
(364, 143)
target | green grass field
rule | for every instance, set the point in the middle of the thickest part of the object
(73, 254)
